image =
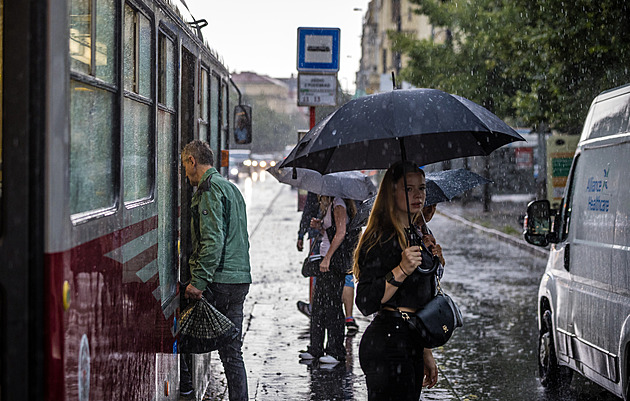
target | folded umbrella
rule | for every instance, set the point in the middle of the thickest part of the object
(348, 184)
(202, 328)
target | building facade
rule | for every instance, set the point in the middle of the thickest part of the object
(378, 59)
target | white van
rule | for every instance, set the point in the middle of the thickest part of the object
(584, 295)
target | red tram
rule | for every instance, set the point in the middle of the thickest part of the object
(98, 97)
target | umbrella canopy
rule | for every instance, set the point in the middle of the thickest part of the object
(445, 185)
(421, 125)
(347, 184)
(202, 328)
(441, 186)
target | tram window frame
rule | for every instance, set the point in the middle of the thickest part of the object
(203, 100)
(215, 115)
(103, 29)
(139, 95)
(166, 182)
(167, 78)
(90, 88)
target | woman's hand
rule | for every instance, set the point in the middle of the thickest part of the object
(411, 258)
(316, 223)
(324, 265)
(430, 369)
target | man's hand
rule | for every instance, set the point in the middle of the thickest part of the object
(193, 293)
(300, 245)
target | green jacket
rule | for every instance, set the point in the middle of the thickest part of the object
(219, 233)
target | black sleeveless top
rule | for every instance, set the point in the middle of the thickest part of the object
(415, 291)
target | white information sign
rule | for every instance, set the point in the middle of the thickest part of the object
(317, 89)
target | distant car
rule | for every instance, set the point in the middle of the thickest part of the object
(239, 163)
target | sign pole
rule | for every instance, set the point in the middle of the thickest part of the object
(311, 111)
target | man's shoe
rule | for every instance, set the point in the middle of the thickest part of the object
(351, 327)
(304, 308)
(187, 395)
(327, 359)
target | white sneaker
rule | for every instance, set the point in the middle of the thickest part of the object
(328, 359)
(306, 355)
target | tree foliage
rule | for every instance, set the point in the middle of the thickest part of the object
(537, 61)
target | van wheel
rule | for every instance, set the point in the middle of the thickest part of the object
(552, 376)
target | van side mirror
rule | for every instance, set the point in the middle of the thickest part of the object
(537, 223)
(242, 124)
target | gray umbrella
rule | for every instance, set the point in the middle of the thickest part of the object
(348, 184)
(441, 186)
(445, 185)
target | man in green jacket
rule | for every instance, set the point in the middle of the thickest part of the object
(219, 263)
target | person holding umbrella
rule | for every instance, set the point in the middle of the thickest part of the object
(327, 315)
(396, 366)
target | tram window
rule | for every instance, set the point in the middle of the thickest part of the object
(92, 172)
(81, 36)
(214, 115)
(93, 57)
(167, 72)
(224, 117)
(203, 105)
(137, 151)
(137, 50)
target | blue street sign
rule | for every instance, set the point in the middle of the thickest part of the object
(318, 49)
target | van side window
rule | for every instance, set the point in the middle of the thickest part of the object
(610, 117)
(565, 211)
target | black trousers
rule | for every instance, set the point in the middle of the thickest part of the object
(392, 362)
(327, 315)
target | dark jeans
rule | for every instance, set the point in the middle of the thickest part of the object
(327, 315)
(228, 299)
(392, 362)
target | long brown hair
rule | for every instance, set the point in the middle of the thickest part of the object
(383, 216)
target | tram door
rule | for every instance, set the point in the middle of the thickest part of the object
(187, 124)
(22, 114)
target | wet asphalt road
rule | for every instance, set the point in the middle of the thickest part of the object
(493, 357)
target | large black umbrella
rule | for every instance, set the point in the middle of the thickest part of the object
(346, 184)
(420, 125)
(441, 186)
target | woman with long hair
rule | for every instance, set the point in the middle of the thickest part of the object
(327, 315)
(395, 364)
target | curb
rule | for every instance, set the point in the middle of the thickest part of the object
(536, 251)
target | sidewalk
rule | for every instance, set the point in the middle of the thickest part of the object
(274, 330)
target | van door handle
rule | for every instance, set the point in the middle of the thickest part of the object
(567, 257)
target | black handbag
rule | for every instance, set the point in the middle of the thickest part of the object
(310, 266)
(435, 322)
